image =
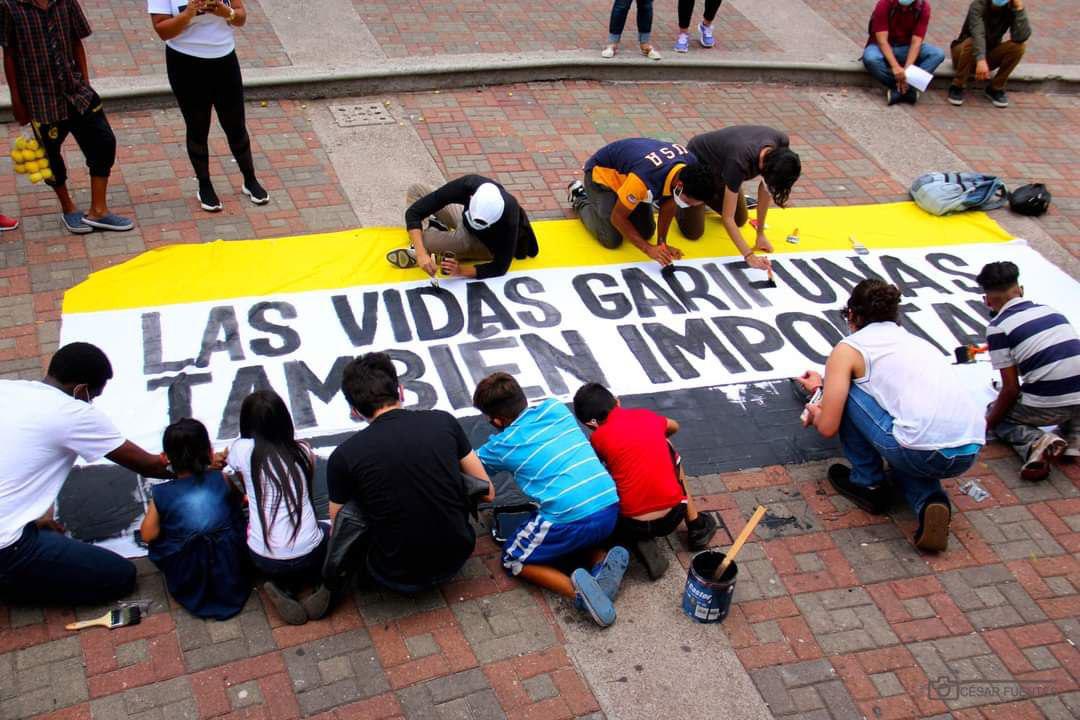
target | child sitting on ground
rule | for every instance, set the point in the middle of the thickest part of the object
(553, 464)
(633, 444)
(286, 542)
(195, 528)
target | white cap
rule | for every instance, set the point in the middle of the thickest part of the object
(485, 207)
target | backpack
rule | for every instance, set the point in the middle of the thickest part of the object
(1031, 199)
(919, 4)
(943, 193)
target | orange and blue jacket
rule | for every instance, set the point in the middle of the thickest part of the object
(638, 169)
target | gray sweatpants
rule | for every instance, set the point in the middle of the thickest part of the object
(594, 209)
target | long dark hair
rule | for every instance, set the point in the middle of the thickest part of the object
(278, 462)
(187, 445)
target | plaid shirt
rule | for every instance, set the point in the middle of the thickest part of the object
(42, 42)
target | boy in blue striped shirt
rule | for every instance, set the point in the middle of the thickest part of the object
(554, 464)
(1038, 354)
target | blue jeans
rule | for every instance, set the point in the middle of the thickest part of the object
(46, 568)
(874, 61)
(619, 12)
(867, 438)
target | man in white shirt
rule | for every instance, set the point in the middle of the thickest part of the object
(46, 425)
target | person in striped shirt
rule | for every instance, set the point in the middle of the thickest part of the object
(552, 462)
(1038, 354)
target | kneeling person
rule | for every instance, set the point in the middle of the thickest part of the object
(633, 444)
(404, 472)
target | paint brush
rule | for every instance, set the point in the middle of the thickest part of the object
(740, 541)
(793, 238)
(120, 617)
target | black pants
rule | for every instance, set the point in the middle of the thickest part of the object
(686, 11)
(93, 134)
(200, 85)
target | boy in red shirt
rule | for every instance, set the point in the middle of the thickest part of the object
(633, 444)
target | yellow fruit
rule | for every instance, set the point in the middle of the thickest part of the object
(46, 174)
(31, 167)
(39, 153)
(43, 163)
(20, 168)
(20, 143)
(16, 156)
(32, 144)
(36, 178)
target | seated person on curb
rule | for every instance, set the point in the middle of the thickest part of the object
(472, 217)
(736, 154)
(1038, 354)
(195, 528)
(552, 463)
(981, 46)
(285, 540)
(892, 397)
(625, 179)
(46, 425)
(633, 444)
(404, 472)
(896, 42)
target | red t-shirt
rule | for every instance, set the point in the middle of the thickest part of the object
(633, 444)
(905, 22)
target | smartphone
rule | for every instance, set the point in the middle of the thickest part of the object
(814, 400)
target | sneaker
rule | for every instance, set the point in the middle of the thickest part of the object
(700, 532)
(650, 52)
(997, 97)
(608, 52)
(609, 573)
(109, 221)
(575, 192)
(402, 258)
(892, 96)
(591, 599)
(207, 197)
(8, 223)
(256, 192)
(288, 607)
(73, 223)
(873, 499)
(705, 36)
(956, 95)
(682, 43)
(911, 96)
(933, 532)
(436, 224)
(317, 604)
(1043, 452)
(649, 554)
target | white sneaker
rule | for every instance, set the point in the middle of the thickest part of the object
(1046, 449)
(608, 52)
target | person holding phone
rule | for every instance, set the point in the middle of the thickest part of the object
(204, 73)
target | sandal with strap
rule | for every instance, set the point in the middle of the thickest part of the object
(650, 52)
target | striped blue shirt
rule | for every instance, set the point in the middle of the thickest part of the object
(552, 462)
(1044, 348)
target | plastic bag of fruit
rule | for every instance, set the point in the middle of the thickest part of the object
(29, 158)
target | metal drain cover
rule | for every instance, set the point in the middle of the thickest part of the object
(361, 114)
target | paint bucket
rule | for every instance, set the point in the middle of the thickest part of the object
(707, 600)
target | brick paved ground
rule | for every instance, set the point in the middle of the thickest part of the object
(835, 615)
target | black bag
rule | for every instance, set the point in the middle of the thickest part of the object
(348, 546)
(1033, 199)
(506, 520)
(476, 491)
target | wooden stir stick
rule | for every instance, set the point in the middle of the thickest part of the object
(759, 512)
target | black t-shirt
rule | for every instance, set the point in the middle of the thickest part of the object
(404, 471)
(733, 152)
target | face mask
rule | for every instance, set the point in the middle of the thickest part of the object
(676, 195)
(905, 3)
(1000, 3)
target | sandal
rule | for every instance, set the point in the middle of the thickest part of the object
(650, 52)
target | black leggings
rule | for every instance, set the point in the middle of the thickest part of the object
(202, 84)
(686, 11)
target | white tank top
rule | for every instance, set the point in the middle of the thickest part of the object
(932, 408)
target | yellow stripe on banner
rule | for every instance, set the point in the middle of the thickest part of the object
(255, 268)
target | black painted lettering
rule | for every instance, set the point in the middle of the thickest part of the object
(479, 298)
(956, 319)
(302, 383)
(942, 261)
(738, 270)
(479, 368)
(641, 351)
(698, 288)
(753, 351)
(179, 391)
(426, 397)
(836, 317)
(714, 273)
(907, 278)
(222, 319)
(425, 327)
(153, 362)
(247, 380)
(980, 309)
(362, 333)
(290, 339)
(790, 323)
(514, 290)
(609, 306)
(822, 293)
(648, 294)
(912, 327)
(452, 380)
(552, 361)
(697, 340)
(842, 276)
(398, 322)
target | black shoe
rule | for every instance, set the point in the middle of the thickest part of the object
(933, 532)
(873, 499)
(317, 604)
(956, 95)
(998, 97)
(648, 552)
(436, 224)
(575, 192)
(208, 199)
(701, 531)
(892, 97)
(911, 96)
(256, 192)
(288, 607)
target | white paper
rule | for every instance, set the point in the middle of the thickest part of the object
(917, 77)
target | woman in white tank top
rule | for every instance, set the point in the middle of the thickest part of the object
(892, 396)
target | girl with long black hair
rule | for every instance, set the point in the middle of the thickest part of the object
(286, 541)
